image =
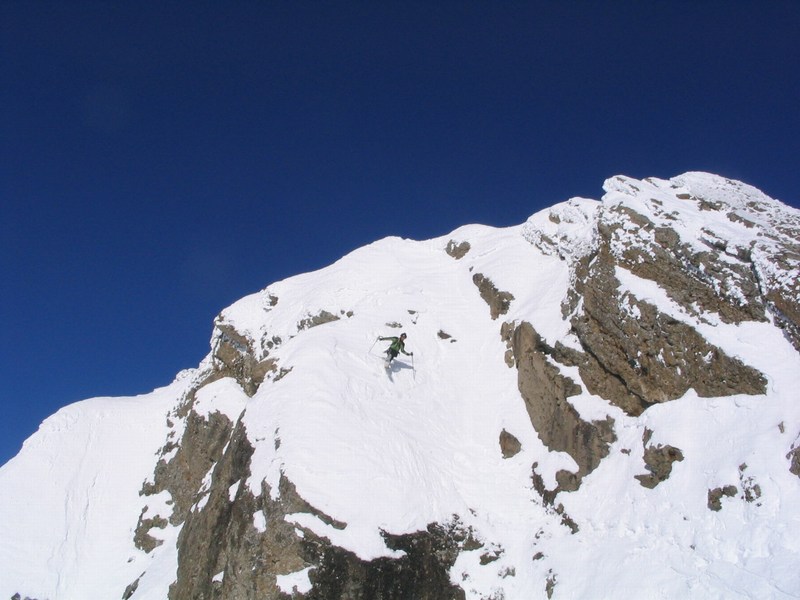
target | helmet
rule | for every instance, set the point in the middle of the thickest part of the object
(403, 336)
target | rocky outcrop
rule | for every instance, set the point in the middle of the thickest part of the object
(636, 356)
(199, 448)
(235, 546)
(320, 318)
(658, 461)
(715, 496)
(234, 356)
(509, 444)
(794, 461)
(457, 250)
(498, 301)
(699, 281)
(558, 424)
(750, 491)
(216, 532)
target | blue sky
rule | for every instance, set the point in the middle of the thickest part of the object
(159, 160)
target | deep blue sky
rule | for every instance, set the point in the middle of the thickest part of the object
(159, 160)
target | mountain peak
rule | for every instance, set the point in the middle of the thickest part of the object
(587, 390)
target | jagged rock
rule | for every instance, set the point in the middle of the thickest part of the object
(457, 251)
(319, 319)
(692, 279)
(658, 460)
(509, 444)
(234, 357)
(423, 573)
(715, 496)
(794, 457)
(550, 586)
(498, 301)
(490, 557)
(200, 448)
(751, 491)
(636, 356)
(142, 538)
(221, 537)
(131, 589)
(545, 392)
(506, 334)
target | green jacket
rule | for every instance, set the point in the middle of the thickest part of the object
(397, 345)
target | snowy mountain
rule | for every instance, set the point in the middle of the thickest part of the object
(601, 403)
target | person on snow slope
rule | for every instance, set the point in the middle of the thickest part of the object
(398, 345)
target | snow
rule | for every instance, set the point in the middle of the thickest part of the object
(224, 396)
(260, 521)
(295, 582)
(67, 528)
(394, 451)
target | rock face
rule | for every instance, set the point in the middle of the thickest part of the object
(546, 392)
(636, 356)
(223, 554)
(502, 459)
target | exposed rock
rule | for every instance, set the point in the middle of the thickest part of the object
(234, 357)
(423, 573)
(200, 448)
(142, 538)
(545, 392)
(490, 557)
(658, 460)
(506, 334)
(319, 319)
(221, 537)
(715, 496)
(509, 445)
(751, 491)
(692, 279)
(457, 251)
(130, 589)
(550, 586)
(794, 457)
(636, 356)
(498, 301)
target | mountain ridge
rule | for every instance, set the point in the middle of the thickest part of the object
(547, 438)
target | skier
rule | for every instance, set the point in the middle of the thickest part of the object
(398, 345)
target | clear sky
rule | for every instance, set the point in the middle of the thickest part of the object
(159, 160)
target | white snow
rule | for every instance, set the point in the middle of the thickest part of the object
(71, 498)
(394, 451)
(260, 521)
(297, 582)
(223, 396)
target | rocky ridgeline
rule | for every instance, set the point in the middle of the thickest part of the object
(739, 264)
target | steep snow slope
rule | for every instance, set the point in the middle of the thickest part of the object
(380, 453)
(71, 500)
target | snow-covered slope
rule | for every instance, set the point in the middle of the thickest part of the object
(601, 403)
